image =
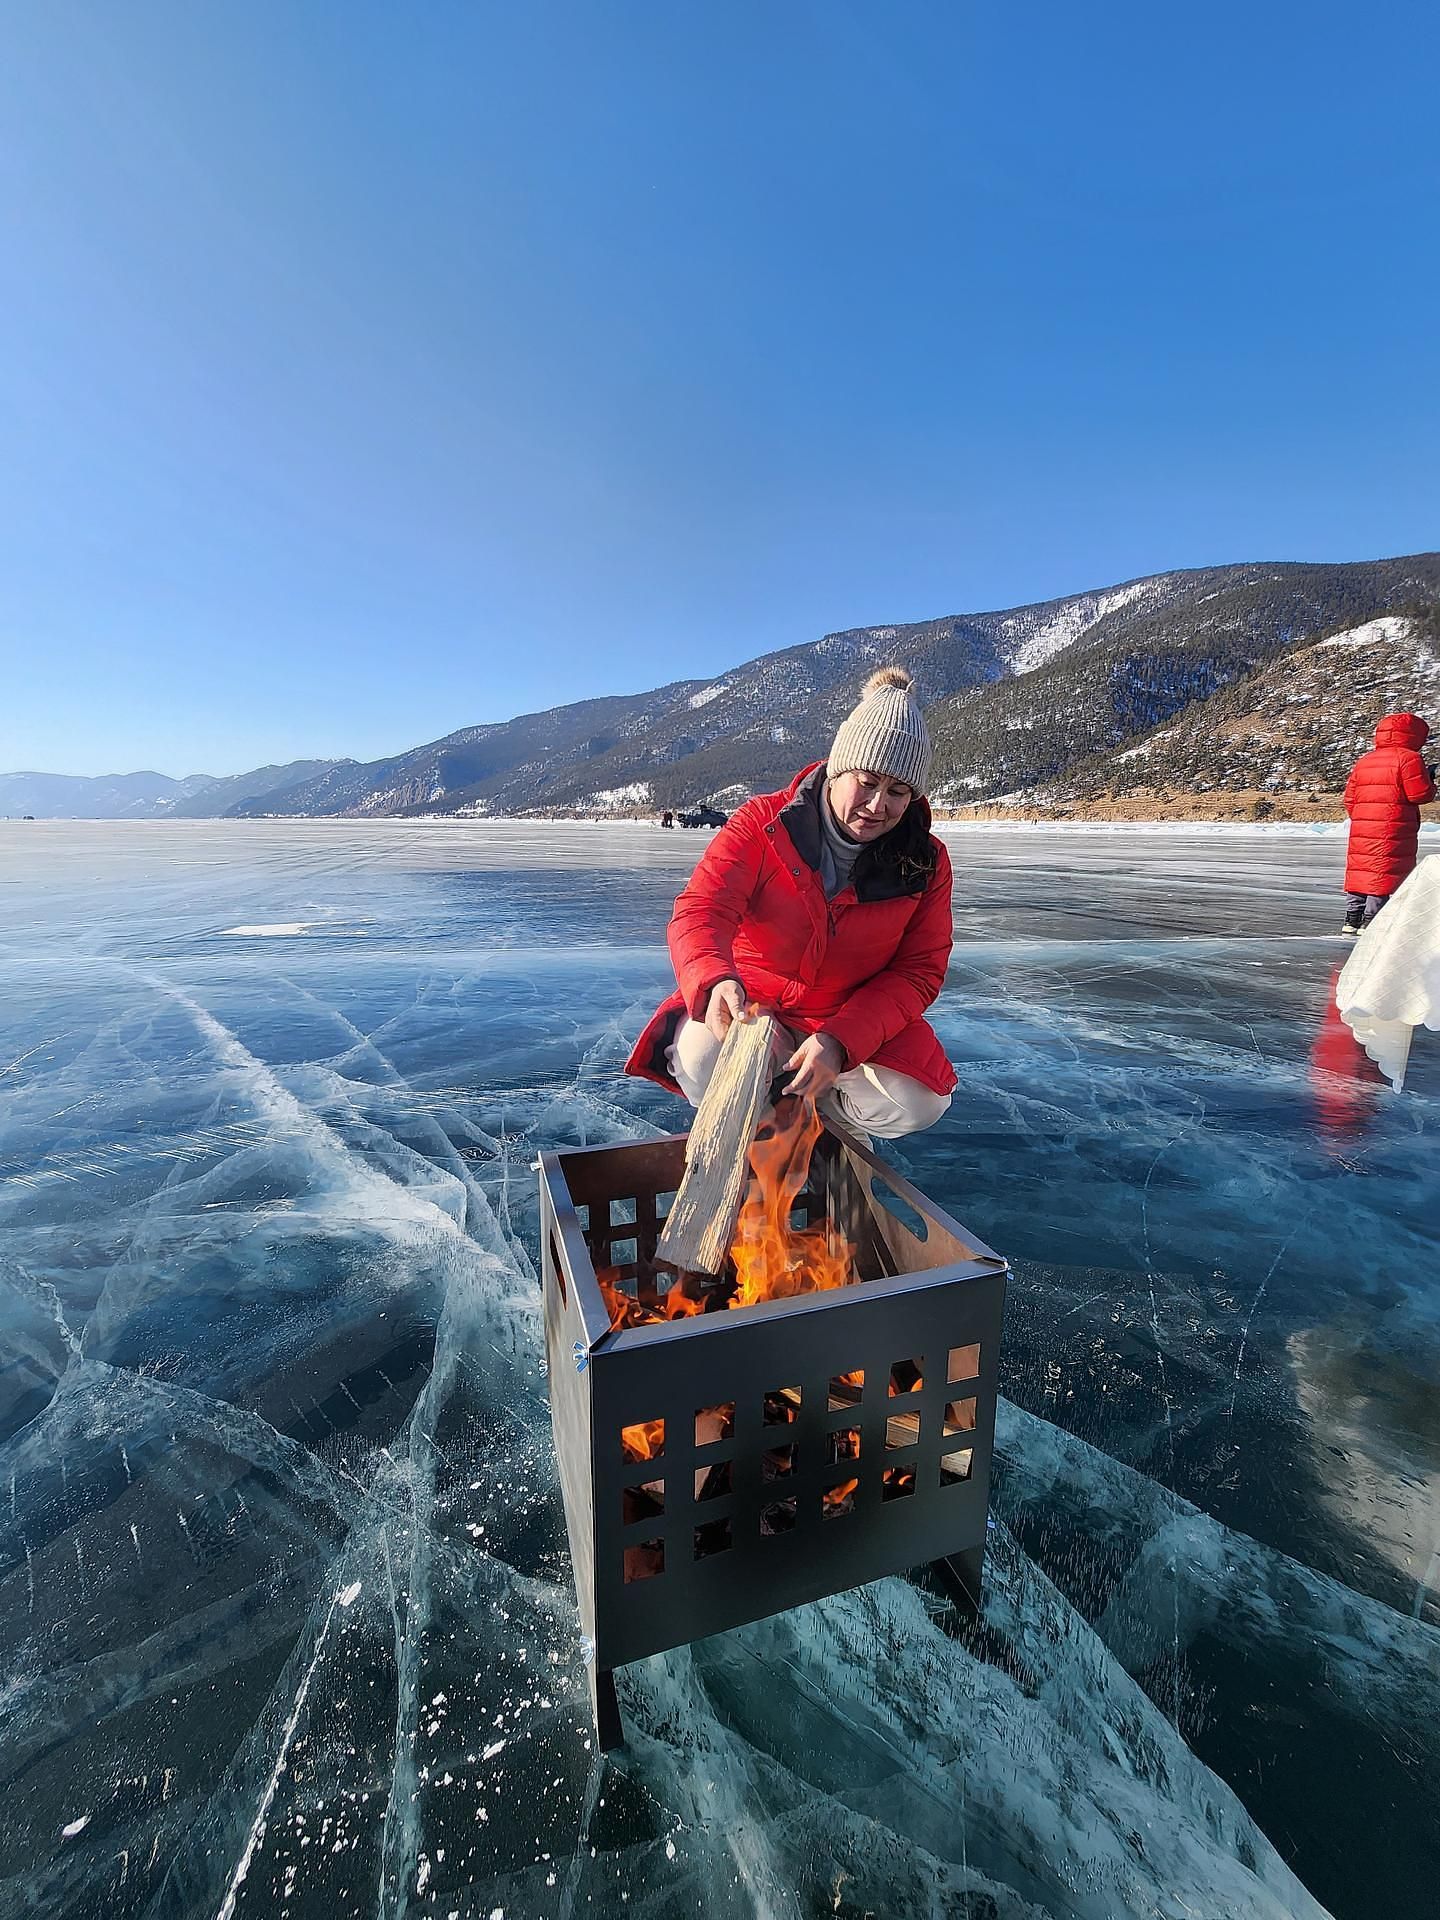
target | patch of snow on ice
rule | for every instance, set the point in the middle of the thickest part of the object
(707, 694)
(280, 930)
(75, 1826)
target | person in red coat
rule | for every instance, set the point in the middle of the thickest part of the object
(1383, 798)
(827, 904)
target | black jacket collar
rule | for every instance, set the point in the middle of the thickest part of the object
(879, 873)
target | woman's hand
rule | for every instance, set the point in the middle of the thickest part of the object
(815, 1065)
(725, 1006)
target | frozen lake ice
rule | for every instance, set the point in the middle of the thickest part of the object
(285, 1603)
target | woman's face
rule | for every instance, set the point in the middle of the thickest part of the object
(868, 804)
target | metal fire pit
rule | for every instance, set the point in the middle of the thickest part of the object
(840, 1436)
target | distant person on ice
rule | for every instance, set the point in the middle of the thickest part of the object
(1383, 798)
(828, 904)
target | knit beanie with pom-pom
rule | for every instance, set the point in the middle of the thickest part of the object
(885, 734)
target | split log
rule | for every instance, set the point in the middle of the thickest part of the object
(701, 1222)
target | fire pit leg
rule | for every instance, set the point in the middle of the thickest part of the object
(609, 1727)
(959, 1575)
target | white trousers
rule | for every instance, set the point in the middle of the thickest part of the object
(878, 1100)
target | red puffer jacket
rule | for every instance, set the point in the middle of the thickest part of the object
(1383, 797)
(864, 966)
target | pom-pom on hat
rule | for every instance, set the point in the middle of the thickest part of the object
(885, 734)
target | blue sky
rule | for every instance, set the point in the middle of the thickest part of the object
(368, 371)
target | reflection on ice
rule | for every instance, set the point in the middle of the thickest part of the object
(284, 1597)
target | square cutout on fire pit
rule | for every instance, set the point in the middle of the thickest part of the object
(644, 1560)
(907, 1376)
(782, 1406)
(964, 1363)
(846, 1389)
(645, 1440)
(713, 1483)
(714, 1424)
(775, 1462)
(844, 1444)
(955, 1466)
(778, 1518)
(714, 1537)
(643, 1503)
(838, 1500)
(557, 1267)
(959, 1416)
(897, 1483)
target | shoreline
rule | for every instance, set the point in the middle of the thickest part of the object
(1247, 806)
(1285, 813)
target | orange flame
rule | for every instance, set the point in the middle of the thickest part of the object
(644, 1441)
(625, 1311)
(774, 1260)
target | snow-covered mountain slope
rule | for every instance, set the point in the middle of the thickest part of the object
(1299, 722)
(1031, 642)
(1180, 640)
(1016, 695)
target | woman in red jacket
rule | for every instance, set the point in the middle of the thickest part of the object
(827, 903)
(1383, 798)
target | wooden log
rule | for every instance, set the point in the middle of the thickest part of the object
(701, 1222)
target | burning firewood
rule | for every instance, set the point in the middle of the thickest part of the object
(768, 1259)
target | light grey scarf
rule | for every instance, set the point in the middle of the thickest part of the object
(838, 852)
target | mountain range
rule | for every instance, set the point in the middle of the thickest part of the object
(144, 796)
(1067, 696)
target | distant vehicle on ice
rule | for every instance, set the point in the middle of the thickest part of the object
(704, 817)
